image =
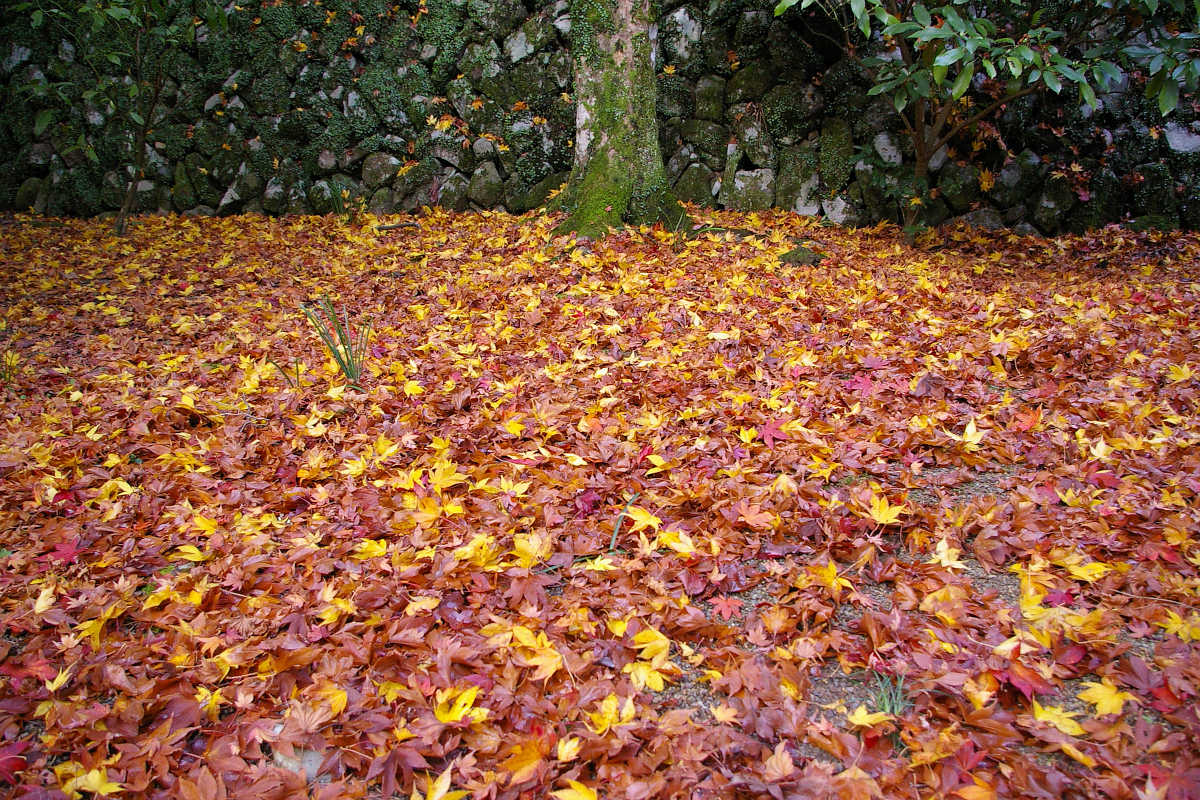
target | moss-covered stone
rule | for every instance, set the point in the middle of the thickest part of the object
(519, 198)
(750, 82)
(27, 195)
(958, 183)
(709, 94)
(1018, 180)
(486, 187)
(709, 138)
(1154, 191)
(183, 196)
(792, 111)
(695, 185)
(836, 153)
(1056, 200)
(798, 187)
(748, 190)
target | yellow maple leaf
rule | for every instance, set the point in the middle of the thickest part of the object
(438, 789)
(522, 761)
(453, 705)
(210, 702)
(334, 695)
(652, 646)
(827, 575)
(568, 749)
(531, 549)
(421, 604)
(725, 714)
(1075, 753)
(205, 525)
(1179, 373)
(1058, 717)
(45, 600)
(676, 540)
(883, 512)
(1186, 629)
(643, 675)
(189, 552)
(598, 564)
(612, 714)
(1105, 696)
(946, 556)
(642, 519)
(59, 680)
(576, 791)
(866, 719)
(1090, 572)
(370, 548)
(95, 781)
(986, 180)
(970, 437)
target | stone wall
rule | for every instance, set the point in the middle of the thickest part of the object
(303, 107)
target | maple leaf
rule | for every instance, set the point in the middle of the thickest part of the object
(74, 779)
(726, 606)
(575, 791)
(45, 601)
(438, 789)
(11, 760)
(827, 575)
(370, 548)
(772, 432)
(724, 714)
(189, 552)
(1105, 696)
(678, 541)
(568, 749)
(946, 556)
(523, 761)
(970, 437)
(883, 512)
(598, 564)
(1187, 630)
(535, 650)
(642, 519)
(1058, 717)
(644, 676)
(611, 714)
(866, 719)
(779, 765)
(454, 705)
(58, 681)
(652, 646)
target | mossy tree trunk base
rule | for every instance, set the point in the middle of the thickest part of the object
(618, 177)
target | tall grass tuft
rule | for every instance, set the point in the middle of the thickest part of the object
(346, 344)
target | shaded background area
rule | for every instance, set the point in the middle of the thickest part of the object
(466, 104)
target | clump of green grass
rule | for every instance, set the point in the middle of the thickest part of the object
(890, 695)
(346, 344)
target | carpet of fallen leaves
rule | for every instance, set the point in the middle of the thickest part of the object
(656, 516)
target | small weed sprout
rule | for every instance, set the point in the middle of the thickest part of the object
(10, 365)
(890, 696)
(347, 345)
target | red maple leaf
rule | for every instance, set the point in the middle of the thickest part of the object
(726, 606)
(772, 433)
(11, 760)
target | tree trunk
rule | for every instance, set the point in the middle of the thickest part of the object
(618, 174)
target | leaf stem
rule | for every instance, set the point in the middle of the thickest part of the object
(612, 545)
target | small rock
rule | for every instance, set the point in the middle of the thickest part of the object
(378, 169)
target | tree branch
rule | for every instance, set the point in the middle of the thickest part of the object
(987, 110)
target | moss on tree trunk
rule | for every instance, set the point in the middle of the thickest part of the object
(618, 176)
